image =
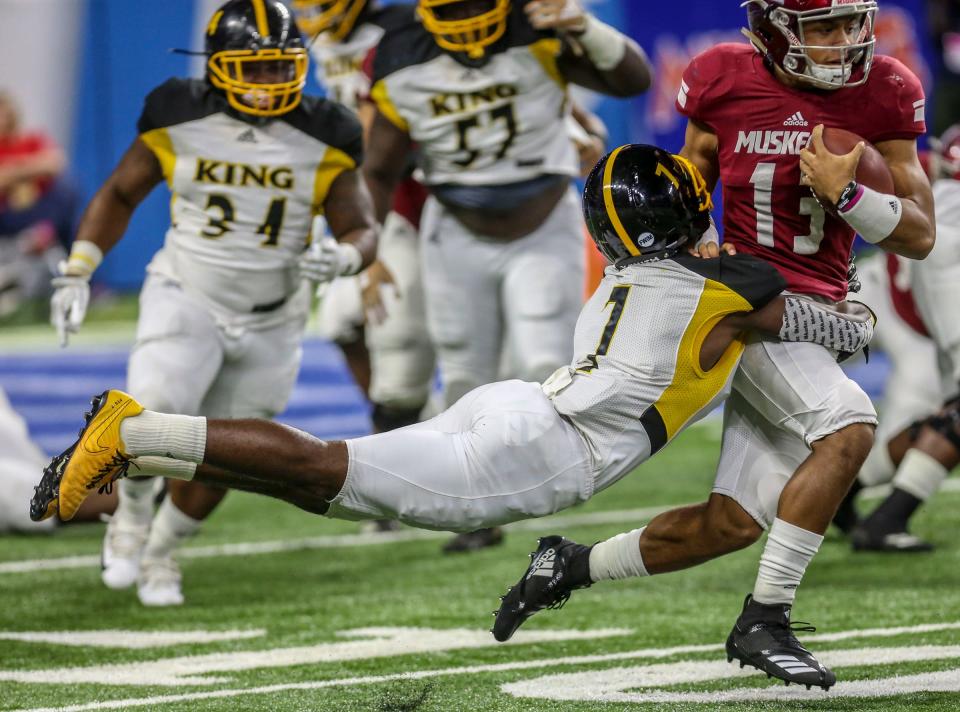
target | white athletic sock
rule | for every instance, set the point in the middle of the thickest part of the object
(180, 437)
(170, 529)
(617, 558)
(156, 466)
(785, 558)
(920, 475)
(135, 501)
(878, 468)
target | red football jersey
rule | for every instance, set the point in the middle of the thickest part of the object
(900, 295)
(762, 125)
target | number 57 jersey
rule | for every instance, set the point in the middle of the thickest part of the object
(243, 194)
(497, 122)
(762, 125)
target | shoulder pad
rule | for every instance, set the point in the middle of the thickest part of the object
(177, 101)
(406, 45)
(329, 122)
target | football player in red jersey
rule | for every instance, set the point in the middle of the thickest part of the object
(796, 429)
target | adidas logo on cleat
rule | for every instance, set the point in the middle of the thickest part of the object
(543, 566)
(796, 120)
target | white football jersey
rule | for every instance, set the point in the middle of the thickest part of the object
(636, 376)
(244, 193)
(502, 121)
(339, 65)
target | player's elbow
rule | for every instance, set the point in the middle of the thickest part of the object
(921, 246)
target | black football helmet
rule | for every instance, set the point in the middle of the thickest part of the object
(642, 202)
(255, 56)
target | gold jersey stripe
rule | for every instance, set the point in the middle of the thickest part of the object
(158, 141)
(260, 12)
(381, 97)
(611, 208)
(546, 52)
(693, 388)
(333, 164)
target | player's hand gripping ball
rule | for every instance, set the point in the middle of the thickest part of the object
(834, 157)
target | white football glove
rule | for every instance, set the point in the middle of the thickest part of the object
(326, 259)
(68, 305)
(566, 15)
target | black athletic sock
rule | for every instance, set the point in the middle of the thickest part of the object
(893, 513)
(846, 517)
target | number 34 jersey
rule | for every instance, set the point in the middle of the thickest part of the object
(636, 377)
(499, 122)
(762, 125)
(243, 194)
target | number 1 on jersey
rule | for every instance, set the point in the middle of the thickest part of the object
(618, 298)
(762, 181)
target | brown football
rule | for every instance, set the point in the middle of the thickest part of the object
(872, 170)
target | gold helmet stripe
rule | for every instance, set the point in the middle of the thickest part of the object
(260, 11)
(214, 22)
(611, 208)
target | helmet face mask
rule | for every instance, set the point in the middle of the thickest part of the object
(467, 26)
(256, 57)
(334, 19)
(781, 29)
(642, 203)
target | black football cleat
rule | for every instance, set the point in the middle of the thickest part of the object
(872, 538)
(46, 495)
(474, 541)
(558, 567)
(763, 638)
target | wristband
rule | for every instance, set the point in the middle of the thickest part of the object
(604, 46)
(849, 196)
(84, 259)
(873, 215)
(350, 259)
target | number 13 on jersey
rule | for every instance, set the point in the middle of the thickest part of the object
(762, 181)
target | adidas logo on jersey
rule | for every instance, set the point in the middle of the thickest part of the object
(247, 136)
(796, 120)
(543, 566)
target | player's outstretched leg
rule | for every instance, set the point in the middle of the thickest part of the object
(94, 461)
(557, 567)
(254, 455)
(763, 637)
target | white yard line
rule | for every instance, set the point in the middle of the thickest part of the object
(544, 525)
(131, 639)
(858, 688)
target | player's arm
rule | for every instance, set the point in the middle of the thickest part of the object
(386, 164)
(108, 214)
(595, 55)
(902, 223)
(701, 147)
(101, 227)
(589, 134)
(350, 215)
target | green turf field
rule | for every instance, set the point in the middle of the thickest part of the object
(318, 618)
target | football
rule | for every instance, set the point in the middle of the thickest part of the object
(872, 170)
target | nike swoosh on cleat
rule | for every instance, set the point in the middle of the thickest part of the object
(101, 430)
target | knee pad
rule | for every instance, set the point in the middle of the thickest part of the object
(386, 419)
(947, 422)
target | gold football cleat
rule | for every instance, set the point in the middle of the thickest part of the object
(95, 461)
